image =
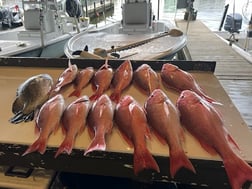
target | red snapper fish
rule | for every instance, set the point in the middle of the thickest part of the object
(100, 119)
(47, 121)
(132, 122)
(121, 79)
(66, 77)
(73, 122)
(102, 80)
(203, 121)
(163, 117)
(173, 77)
(146, 78)
(81, 81)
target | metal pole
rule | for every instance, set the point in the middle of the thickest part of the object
(249, 34)
(158, 9)
(224, 16)
(104, 10)
(86, 6)
(41, 29)
(189, 15)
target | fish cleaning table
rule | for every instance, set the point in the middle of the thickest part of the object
(117, 160)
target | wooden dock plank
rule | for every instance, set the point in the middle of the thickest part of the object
(232, 70)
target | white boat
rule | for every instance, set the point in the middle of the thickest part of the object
(45, 31)
(137, 36)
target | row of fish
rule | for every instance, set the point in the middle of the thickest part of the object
(193, 109)
(159, 114)
(36, 90)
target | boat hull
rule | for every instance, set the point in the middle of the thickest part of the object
(55, 50)
(113, 35)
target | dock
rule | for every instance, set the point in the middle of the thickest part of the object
(233, 71)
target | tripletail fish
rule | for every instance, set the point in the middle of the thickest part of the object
(30, 96)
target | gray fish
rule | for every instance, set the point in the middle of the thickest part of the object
(31, 95)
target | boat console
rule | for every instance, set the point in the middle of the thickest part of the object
(136, 15)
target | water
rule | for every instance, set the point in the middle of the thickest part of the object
(210, 12)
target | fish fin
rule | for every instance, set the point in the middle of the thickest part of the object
(143, 160)
(147, 132)
(126, 138)
(36, 113)
(64, 131)
(66, 146)
(95, 96)
(36, 130)
(93, 86)
(76, 93)
(39, 145)
(91, 132)
(160, 138)
(208, 148)
(238, 171)
(57, 128)
(232, 142)
(20, 117)
(98, 143)
(178, 159)
(211, 100)
(181, 134)
(81, 130)
(217, 103)
(57, 89)
(17, 118)
(29, 117)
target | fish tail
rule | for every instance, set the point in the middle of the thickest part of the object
(115, 96)
(179, 160)
(238, 171)
(66, 146)
(98, 143)
(144, 160)
(75, 93)
(39, 145)
(95, 96)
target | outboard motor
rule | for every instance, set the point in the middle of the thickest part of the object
(233, 22)
(233, 25)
